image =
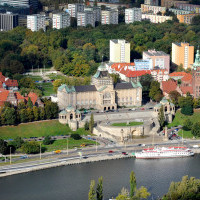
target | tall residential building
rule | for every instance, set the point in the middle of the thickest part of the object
(156, 18)
(196, 76)
(85, 18)
(36, 22)
(61, 20)
(159, 59)
(171, 3)
(186, 18)
(183, 53)
(21, 3)
(96, 11)
(188, 7)
(119, 51)
(109, 16)
(179, 12)
(152, 9)
(8, 21)
(133, 15)
(75, 8)
(151, 2)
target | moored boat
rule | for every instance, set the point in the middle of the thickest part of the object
(164, 152)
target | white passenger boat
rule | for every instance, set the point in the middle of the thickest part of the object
(164, 152)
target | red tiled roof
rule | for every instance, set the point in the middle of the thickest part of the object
(18, 96)
(118, 66)
(11, 83)
(33, 96)
(186, 89)
(4, 95)
(187, 78)
(177, 74)
(137, 73)
(168, 86)
(2, 78)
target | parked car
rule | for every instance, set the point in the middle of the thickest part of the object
(110, 151)
(124, 153)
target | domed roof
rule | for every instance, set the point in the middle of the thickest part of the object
(102, 67)
(69, 108)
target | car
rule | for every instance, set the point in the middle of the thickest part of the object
(129, 109)
(133, 109)
(124, 153)
(143, 145)
(139, 145)
(142, 109)
(110, 151)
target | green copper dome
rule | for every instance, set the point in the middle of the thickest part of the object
(197, 60)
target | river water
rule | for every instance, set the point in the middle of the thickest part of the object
(72, 182)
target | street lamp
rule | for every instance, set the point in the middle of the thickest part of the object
(96, 144)
(10, 155)
(40, 152)
(67, 147)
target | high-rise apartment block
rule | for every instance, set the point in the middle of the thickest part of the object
(133, 15)
(159, 59)
(188, 7)
(151, 2)
(186, 18)
(36, 22)
(75, 8)
(96, 11)
(152, 9)
(156, 18)
(109, 16)
(119, 51)
(183, 53)
(61, 20)
(196, 75)
(85, 18)
(171, 3)
(8, 21)
(21, 3)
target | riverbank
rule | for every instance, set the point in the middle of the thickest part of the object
(62, 162)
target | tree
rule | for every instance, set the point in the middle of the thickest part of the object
(174, 95)
(99, 190)
(115, 78)
(3, 146)
(92, 193)
(158, 97)
(154, 90)
(187, 110)
(145, 81)
(86, 126)
(47, 140)
(91, 123)
(133, 184)
(31, 147)
(23, 115)
(36, 113)
(123, 195)
(196, 129)
(9, 117)
(18, 142)
(75, 136)
(185, 101)
(42, 113)
(30, 115)
(29, 103)
(142, 193)
(187, 125)
(161, 117)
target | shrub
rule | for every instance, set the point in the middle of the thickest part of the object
(76, 136)
(187, 110)
(18, 141)
(187, 125)
(47, 140)
(31, 147)
(86, 126)
(196, 129)
(3, 146)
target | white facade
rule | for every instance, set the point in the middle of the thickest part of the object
(109, 16)
(75, 8)
(119, 51)
(61, 20)
(156, 18)
(133, 15)
(179, 12)
(85, 18)
(36, 22)
(96, 11)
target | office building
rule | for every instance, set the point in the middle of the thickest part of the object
(119, 51)
(151, 2)
(73, 9)
(156, 18)
(86, 18)
(8, 21)
(183, 53)
(171, 3)
(133, 15)
(21, 3)
(36, 22)
(109, 16)
(152, 9)
(186, 18)
(160, 60)
(61, 20)
(196, 75)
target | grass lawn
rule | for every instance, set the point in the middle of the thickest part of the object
(35, 78)
(55, 76)
(62, 144)
(125, 124)
(179, 120)
(47, 88)
(37, 129)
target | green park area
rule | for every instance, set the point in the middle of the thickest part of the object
(129, 124)
(37, 129)
(47, 88)
(180, 120)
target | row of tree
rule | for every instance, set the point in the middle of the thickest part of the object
(11, 115)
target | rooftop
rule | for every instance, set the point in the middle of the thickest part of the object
(155, 53)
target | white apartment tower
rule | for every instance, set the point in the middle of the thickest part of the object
(75, 8)
(61, 20)
(96, 11)
(133, 15)
(36, 22)
(109, 16)
(119, 51)
(85, 18)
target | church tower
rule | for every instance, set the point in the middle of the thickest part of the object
(196, 75)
